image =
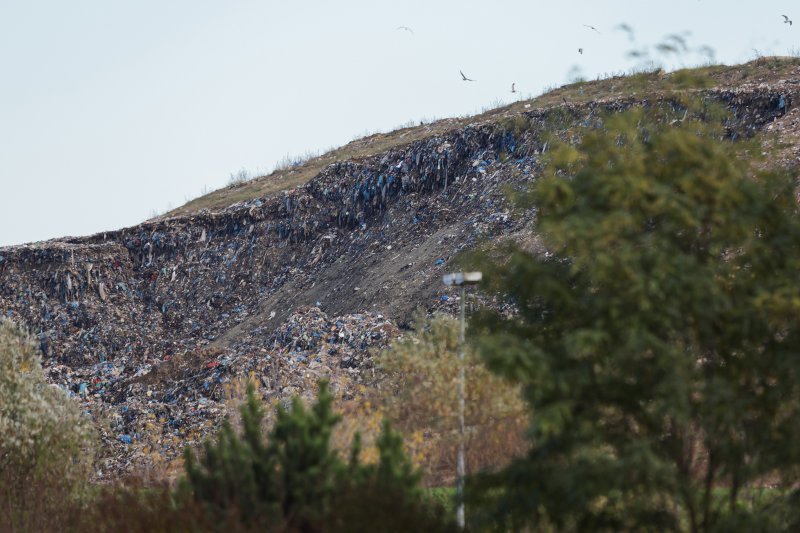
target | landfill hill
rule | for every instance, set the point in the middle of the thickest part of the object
(302, 274)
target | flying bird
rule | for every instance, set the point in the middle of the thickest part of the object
(406, 28)
(786, 20)
(580, 51)
(464, 78)
(592, 28)
(513, 90)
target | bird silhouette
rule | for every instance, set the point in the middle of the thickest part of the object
(464, 78)
(786, 20)
(580, 51)
(406, 28)
(592, 28)
(513, 89)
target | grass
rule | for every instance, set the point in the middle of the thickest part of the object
(296, 172)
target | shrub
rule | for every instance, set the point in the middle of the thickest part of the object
(45, 442)
(295, 480)
(420, 391)
(239, 177)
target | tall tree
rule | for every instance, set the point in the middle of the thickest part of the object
(657, 337)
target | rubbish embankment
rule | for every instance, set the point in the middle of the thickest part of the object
(146, 326)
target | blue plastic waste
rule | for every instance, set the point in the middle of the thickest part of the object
(126, 439)
(439, 262)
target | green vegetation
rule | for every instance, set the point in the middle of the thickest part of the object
(656, 341)
(45, 442)
(295, 480)
(420, 373)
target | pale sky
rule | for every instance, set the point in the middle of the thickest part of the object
(111, 110)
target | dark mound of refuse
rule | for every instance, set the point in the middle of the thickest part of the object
(147, 326)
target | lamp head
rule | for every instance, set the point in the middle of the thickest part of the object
(462, 278)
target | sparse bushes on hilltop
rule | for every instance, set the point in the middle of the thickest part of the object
(239, 177)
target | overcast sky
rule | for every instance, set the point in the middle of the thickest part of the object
(112, 110)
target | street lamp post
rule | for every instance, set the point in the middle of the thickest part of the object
(461, 279)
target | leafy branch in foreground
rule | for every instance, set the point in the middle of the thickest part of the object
(657, 340)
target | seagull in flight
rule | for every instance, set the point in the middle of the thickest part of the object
(464, 78)
(592, 28)
(513, 89)
(406, 28)
(786, 20)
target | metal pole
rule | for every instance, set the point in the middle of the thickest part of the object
(461, 469)
(461, 279)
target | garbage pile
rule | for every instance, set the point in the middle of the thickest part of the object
(149, 416)
(148, 325)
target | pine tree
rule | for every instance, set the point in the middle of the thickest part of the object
(308, 468)
(295, 480)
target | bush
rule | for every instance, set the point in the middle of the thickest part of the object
(45, 442)
(133, 508)
(294, 480)
(420, 392)
(238, 178)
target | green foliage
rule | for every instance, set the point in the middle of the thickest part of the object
(44, 439)
(423, 369)
(657, 338)
(132, 508)
(394, 468)
(419, 388)
(295, 480)
(385, 496)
